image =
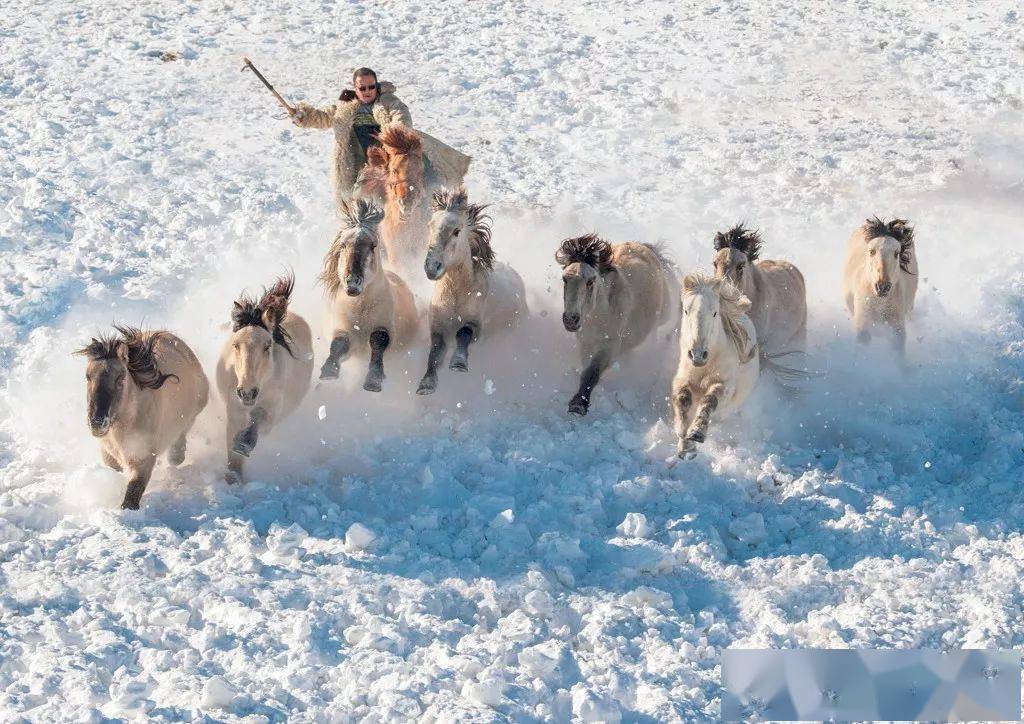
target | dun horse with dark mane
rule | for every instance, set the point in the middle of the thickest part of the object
(615, 296)
(371, 307)
(474, 294)
(264, 369)
(145, 390)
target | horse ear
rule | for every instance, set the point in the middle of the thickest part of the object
(273, 313)
(377, 157)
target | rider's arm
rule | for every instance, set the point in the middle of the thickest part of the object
(397, 112)
(306, 116)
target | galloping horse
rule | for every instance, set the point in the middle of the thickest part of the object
(399, 164)
(474, 294)
(880, 279)
(775, 288)
(718, 357)
(615, 297)
(264, 369)
(145, 390)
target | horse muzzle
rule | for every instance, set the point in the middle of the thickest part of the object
(571, 321)
(353, 287)
(101, 426)
(433, 269)
(248, 397)
(699, 358)
(882, 289)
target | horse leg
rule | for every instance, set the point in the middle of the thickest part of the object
(437, 347)
(141, 472)
(331, 367)
(682, 405)
(379, 341)
(176, 453)
(580, 402)
(861, 324)
(244, 441)
(899, 331)
(699, 427)
(460, 359)
(109, 460)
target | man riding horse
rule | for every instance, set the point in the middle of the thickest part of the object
(359, 115)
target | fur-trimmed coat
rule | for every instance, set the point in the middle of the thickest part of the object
(349, 157)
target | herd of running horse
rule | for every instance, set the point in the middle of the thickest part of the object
(146, 387)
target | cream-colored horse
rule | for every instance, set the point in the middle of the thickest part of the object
(718, 357)
(775, 288)
(264, 369)
(615, 297)
(880, 279)
(145, 390)
(474, 294)
(375, 310)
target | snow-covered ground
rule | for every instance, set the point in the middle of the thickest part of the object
(478, 555)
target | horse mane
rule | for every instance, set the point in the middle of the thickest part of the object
(733, 304)
(664, 260)
(361, 216)
(588, 249)
(250, 312)
(478, 223)
(744, 240)
(900, 230)
(137, 348)
(401, 139)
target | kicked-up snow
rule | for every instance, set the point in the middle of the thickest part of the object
(478, 555)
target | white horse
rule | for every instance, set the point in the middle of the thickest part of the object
(718, 357)
(880, 279)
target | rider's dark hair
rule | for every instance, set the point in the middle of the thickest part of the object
(348, 94)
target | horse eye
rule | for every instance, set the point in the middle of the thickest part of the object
(266, 348)
(897, 255)
(455, 232)
(872, 252)
(714, 315)
(739, 267)
(590, 283)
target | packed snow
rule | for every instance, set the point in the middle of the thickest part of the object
(479, 555)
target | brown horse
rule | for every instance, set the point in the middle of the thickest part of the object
(145, 390)
(399, 163)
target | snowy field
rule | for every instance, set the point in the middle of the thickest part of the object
(507, 562)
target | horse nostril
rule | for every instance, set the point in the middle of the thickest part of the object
(689, 353)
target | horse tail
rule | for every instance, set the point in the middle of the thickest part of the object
(788, 378)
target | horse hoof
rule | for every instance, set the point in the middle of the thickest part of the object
(695, 437)
(233, 477)
(578, 408)
(242, 448)
(130, 504)
(459, 365)
(330, 374)
(426, 389)
(372, 386)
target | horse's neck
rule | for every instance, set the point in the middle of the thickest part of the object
(136, 405)
(753, 282)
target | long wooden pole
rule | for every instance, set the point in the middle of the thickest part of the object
(246, 63)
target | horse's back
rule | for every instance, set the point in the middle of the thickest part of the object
(785, 300)
(649, 279)
(300, 362)
(174, 357)
(506, 297)
(406, 318)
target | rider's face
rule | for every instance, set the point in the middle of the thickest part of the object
(366, 88)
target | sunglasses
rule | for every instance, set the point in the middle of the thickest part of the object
(364, 88)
